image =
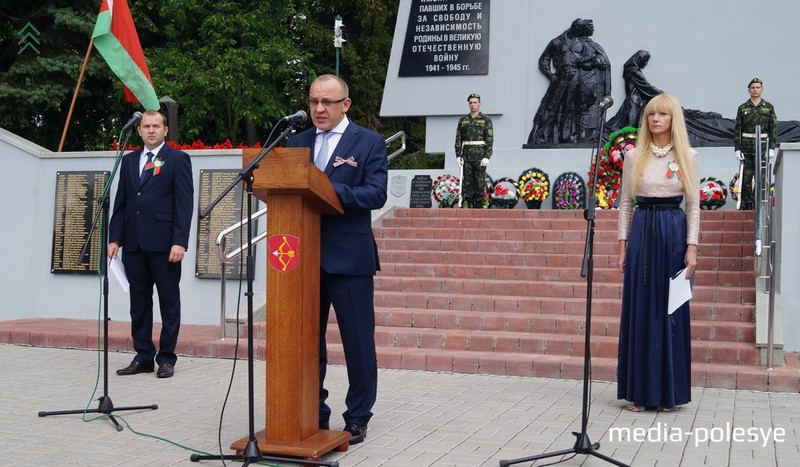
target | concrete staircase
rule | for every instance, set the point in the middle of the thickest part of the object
(500, 292)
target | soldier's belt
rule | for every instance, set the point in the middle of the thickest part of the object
(473, 143)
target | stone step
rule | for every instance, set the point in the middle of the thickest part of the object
(428, 260)
(726, 376)
(725, 286)
(549, 246)
(408, 276)
(499, 296)
(710, 234)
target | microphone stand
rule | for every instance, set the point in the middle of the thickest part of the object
(105, 405)
(583, 445)
(251, 452)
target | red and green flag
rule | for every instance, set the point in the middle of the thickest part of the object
(116, 39)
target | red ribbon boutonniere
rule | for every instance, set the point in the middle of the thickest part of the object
(674, 169)
(155, 165)
(349, 161)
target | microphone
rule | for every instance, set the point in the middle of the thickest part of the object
(298, 117)
(136, 117)
(606, 102)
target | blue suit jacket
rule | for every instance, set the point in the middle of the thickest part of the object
(348, 245)
(158, 214)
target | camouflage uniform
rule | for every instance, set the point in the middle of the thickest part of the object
(747, 117)
(470, 131)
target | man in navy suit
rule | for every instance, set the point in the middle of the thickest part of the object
(355, 161)
(151, 221)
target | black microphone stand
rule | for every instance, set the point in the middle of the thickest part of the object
(583, 445)
(251, 452)
(105, 405)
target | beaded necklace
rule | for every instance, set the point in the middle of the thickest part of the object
(660, 152)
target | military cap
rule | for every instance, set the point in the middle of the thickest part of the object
(474, 95)
(754, 80)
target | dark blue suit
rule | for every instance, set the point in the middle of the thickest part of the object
(147, 220)
(349, 260)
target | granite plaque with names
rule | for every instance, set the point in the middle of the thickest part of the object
(446, 38)
(77, 204)
(224, 215)
(420, 196)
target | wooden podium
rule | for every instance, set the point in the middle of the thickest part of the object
(296, 193)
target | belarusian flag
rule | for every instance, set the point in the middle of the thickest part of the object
(116, 39)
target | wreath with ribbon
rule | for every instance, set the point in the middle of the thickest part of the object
(612, 157)
(445, 190)
(504, 194)
(713, 193)
(533, 187)
(569, 192)
(734, 184)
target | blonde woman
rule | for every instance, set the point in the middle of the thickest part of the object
(657, 239)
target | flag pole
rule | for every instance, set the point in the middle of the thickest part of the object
(75, 95)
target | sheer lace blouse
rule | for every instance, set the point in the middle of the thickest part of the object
(655, 183)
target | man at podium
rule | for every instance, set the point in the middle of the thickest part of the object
(355, 160)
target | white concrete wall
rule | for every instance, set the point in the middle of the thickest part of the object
(28, 289)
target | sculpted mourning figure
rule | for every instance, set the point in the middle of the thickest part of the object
(579, 73)
(638, 92)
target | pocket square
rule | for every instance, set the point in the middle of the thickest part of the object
(349, 161)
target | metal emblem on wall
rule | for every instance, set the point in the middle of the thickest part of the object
(446, 37)
(398, 186)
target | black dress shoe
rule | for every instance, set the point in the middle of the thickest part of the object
(135, 368)
(165, 370)
(358, 432)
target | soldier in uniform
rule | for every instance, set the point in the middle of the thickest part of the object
(474, 138)
(755, 111)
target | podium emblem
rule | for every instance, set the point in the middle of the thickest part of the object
(283, 252)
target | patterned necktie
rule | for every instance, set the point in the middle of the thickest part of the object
(322, 156)
(144, 170)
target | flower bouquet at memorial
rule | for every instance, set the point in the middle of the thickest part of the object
(504, 194)
(713, 193)
(611, 159)
(734, 184)
(445, 190)
(533, 186)
(569, 192)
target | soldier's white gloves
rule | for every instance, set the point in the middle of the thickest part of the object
(460, 161)
(739, 155)
(484, 162)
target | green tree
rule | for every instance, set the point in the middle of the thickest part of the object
(36, 88)
(233, 66)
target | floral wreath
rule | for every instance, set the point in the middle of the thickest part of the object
(611, 157)
(533, 185)
(503, 196)
(487, 190)
(734, 184)
(445, 190)
(713, 193)
(569, 192)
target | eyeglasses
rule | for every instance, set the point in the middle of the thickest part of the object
(325, 102)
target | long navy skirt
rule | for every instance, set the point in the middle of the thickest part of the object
(654, 361)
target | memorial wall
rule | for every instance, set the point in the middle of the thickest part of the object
(444, 50)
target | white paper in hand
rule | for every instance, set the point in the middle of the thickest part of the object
(118, 270)
(680, 291)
